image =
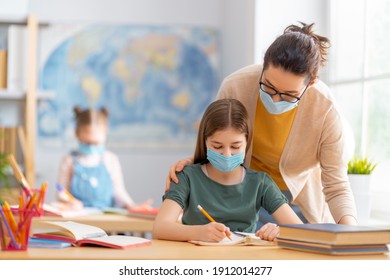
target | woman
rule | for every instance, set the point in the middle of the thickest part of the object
(299, 137)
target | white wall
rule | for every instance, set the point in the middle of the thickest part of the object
(13, 8)
(201, 12)
(237, 25)
(145, 171)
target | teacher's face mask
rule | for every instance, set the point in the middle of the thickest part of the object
(275, 108)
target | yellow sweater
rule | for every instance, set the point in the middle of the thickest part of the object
(314, 160)
(269, 137)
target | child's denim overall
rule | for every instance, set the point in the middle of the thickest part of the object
(92, 184)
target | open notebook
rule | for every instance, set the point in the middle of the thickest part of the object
(58, 209)
(237, 238)
(81, 235)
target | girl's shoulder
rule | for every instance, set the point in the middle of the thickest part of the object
(191, 172)
(192, 169)
(110, 155)
(67, 159)
(253, 172)
(256, 175)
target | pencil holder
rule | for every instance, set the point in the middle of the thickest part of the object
(37, 199)
(15, 229)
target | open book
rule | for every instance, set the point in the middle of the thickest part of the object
(58, 209)
(135, 213)
(144, 213)
(81, 235)
(237, 238)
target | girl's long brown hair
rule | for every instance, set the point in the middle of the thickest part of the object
(219, 115)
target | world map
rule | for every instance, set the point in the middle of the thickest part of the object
(156, 82)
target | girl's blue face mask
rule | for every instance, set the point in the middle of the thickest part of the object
(90, 149)
(225, 163)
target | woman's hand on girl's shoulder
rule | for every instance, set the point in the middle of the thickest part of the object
(176, 168)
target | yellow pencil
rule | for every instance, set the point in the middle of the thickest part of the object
(21, 207)
(19, 174)
(41, 196)
(11, 219)
(66, 192)
(211, 218)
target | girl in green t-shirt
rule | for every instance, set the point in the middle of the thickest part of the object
(218, 181)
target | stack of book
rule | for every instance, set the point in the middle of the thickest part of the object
(334, 239)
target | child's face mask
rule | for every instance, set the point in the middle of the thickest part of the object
(90, 149)
(225, 163)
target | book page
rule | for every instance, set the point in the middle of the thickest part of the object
(236, 239)
(80, 231)
(143, 213)
(60, 209)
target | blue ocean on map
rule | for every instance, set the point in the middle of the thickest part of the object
(156, 82)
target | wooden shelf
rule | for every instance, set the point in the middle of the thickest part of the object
(18, 95)
(5, 94)
(13, 19)
(29, 96)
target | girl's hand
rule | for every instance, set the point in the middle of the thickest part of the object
(213, 232)
(69, 202)
(268, 232)
(175, 168)
(76, 204)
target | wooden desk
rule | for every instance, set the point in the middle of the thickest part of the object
(171, 250)
(110, 223)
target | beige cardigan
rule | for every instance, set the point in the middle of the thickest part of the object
(314, 161)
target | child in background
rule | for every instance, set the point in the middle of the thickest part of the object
(92, 174)
(231, 193)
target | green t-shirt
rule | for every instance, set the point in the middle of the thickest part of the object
(236, 206)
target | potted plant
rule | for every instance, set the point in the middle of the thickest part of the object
(5, 171)
(361, 166)
(359, 173)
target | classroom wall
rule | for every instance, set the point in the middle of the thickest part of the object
(13, 8)
(145, 170)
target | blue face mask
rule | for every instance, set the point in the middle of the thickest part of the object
(225, 163)
(276, 108)
(89, 149)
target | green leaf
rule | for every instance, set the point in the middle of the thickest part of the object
(361, 166)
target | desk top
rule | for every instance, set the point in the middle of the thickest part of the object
(172, 250)
(107, 222)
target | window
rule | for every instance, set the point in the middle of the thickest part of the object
(359, 76)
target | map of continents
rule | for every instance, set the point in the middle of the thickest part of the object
(155, 81)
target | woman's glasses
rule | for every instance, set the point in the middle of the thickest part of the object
(284, 96)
